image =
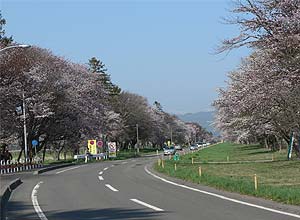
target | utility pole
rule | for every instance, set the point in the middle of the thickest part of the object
(171, 136)
(137, 138)
(25, 131)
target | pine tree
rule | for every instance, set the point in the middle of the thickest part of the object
(97, 66)
(3, 39)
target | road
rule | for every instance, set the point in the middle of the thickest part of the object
(131, 190)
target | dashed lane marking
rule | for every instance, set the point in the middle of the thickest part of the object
(147, 205)
(111, 188)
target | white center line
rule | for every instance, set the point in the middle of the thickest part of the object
(105, 168)
(67, 169)
(222, 197)
(100, 173)
(124, 162)
(35, 202)
(100, 178)
(147, 205)
(111, 188)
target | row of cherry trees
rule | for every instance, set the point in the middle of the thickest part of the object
(68, 103)
(262, 100)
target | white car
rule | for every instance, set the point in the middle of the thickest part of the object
(169, 151)
(178, 147)
(193, 147)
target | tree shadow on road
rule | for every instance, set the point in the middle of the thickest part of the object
(19, 210)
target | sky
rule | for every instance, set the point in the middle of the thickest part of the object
(163, 50)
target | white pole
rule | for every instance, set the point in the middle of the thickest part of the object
(25, 132)
(137, 137)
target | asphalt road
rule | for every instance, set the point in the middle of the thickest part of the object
(125, 190)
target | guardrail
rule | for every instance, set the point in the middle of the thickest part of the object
(97, 156)
(12, 166)
(5, 195)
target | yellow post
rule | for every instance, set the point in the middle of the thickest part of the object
(192, 160)
(200, 171)
(255, 182)
(170, 157)
(162, 164)
(227, 158)
(175, 167)
(157, 152)
(158, 161)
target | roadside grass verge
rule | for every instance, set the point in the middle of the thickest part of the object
(278, 180)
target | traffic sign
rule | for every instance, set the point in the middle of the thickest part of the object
(92, 146)
(100, 143)
(34, 143)
(112, 149)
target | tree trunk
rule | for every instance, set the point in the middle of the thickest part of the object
(266, 143)
(44, 152)
(20, 154)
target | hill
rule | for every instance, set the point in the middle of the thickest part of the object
(205, 119)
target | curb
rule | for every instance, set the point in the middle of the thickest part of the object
(5, 195)
(43, 170)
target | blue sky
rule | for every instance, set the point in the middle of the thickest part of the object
(162, 50)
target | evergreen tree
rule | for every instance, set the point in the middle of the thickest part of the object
(97, 66)
(3, 39)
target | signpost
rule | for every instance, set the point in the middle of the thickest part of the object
(92, 146)
(112, 149)
(34, 144)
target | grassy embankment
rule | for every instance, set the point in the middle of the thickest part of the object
(278, 180)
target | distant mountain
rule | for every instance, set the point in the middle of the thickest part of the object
(205, 119)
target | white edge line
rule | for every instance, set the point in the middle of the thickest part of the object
(111, 188)
(222, 197)
(147, 205)
(100, 178)
(100, 173)
(67, 169)
(35, 202)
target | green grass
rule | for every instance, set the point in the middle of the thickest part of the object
(278, 180)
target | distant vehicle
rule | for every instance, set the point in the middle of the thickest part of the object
(193, 147)
(178, 147)
(200, 144)
(169, 151)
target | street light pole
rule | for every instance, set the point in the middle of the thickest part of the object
(15, 46)
(137, 138)
(171, 136)
(24, 124)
